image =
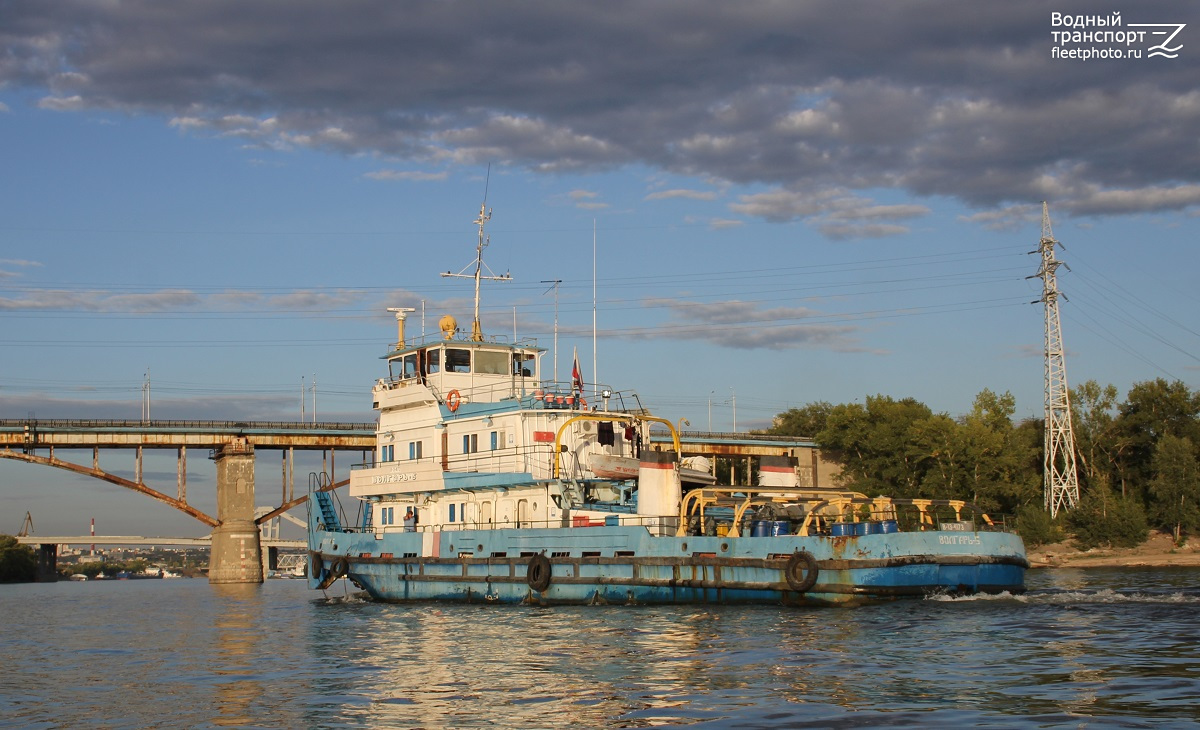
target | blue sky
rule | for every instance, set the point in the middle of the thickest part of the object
(789, 203)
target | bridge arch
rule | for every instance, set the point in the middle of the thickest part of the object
(97, 473)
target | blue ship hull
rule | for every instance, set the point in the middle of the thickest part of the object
(628, 565)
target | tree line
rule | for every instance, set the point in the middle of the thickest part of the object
(1137, 460)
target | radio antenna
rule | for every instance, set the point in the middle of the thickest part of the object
(485, 215)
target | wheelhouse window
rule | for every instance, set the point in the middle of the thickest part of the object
(457, 360)
(404, 368)
(491, 362)
(433, 360)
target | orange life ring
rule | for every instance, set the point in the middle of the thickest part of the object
(582, 403)
(453, 400)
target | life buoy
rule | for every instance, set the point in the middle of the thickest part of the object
(453, 400)
(582, 403)
(801, 571)
(538, 573)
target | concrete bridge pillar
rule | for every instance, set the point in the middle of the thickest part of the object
(236, 553)
(47, 563)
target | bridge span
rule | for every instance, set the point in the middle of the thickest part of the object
(235, 555)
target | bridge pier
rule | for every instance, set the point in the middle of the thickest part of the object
(47, 563)
(236, 552)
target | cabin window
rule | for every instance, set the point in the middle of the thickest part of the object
(458, 361)
(470, 443)
(410, 365)
(451, 513)
(433, 361)
(387, 453)
(495, 440)
(414, 450)
(490, 362)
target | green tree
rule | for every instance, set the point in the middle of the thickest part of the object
(1035, 526)
(1176, 485)
(18, 563)
(1093, 408)
(1152, 410)
(874, 444)
(807, 420)
(998, 456)
(1104, 518)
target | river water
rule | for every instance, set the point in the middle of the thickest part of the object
(1083, 648)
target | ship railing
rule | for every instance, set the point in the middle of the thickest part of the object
(573, 521)
(437, 338)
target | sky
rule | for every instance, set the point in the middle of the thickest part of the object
(750, 206)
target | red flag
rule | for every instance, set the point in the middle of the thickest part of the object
(576, 375)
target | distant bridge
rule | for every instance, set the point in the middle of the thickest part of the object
(135, 541)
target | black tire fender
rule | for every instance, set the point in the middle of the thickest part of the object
(316, 565)
(341, 566)
(537, 575)
(801, 571)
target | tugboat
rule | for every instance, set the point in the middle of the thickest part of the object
(490, 483)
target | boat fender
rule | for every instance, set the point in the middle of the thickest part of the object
(801, 571)
(453, 400)
(340, 567)
(538, 573)
(317, 564)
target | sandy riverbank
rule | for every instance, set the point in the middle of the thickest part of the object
(1159, 551)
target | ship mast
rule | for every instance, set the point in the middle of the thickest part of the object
(1060, 477)
(485, 215)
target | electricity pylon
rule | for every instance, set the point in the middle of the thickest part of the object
(1060, 477)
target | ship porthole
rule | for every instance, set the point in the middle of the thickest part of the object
(683, 547)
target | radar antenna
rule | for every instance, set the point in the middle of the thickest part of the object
(485, 215)
(1060, 477)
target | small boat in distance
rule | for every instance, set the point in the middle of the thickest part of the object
(490, 483)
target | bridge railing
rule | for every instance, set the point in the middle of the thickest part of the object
(55, 423)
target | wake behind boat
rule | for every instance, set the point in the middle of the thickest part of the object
(490, 483)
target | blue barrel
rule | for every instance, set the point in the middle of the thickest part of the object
(889, 526)
(612, 520)
(780, 528)
(872, 528)
(760, 528)
(860, 528)
(841, 529)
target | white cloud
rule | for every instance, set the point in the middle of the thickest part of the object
(61, 104)
(680, 193)
(409, 175)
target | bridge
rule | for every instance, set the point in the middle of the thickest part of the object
(236, 544)
(236, 554)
